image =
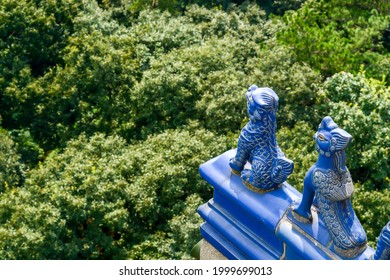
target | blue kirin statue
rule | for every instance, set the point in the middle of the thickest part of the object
(257, 144)
(383, 247)
(329, 185)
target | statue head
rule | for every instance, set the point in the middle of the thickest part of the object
(261, 102)
(331, 141)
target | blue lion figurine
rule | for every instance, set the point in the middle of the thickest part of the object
(257, 144)
(383, 247)
(328, 183)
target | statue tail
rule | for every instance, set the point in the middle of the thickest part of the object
(281, 168)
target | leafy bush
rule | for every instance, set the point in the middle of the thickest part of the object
(161, 72)
(30, 152)
(298, 145)
(11, 169)
(360, 106)
(372, 208)
(88, 92)
(32, 36)
(99, 197)
(177, 241)
(207, 82)
(279, 7)
(334, 36)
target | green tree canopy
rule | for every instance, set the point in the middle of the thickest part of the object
(109, 107)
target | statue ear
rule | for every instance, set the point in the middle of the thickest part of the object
(265, 99)
(340, 139)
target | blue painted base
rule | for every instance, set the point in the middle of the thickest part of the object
(243, 224)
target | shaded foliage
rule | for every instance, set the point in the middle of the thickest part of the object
(372, 208)
(11, 169)
(160, 73)
(32, 36)
(99, 197)
(298, 144)
(334, 36)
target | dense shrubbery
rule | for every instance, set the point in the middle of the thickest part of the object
(108, 113)
(11, 168)
(100, 197)
(334, 36)
(372, 207)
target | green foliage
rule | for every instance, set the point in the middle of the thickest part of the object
(163, 5)
(30, 152)
(100, 196)
(34, 32)
(281, 6)
(171, 91)
(207, 81)
(167, 85)
(334, 36)
(295, 83)
(298, 145)
(162, 72)
(175, 6)
(178, 240)
(11, 169)
(88, 92)
(32, 36)
(361, 106)
(372, 208)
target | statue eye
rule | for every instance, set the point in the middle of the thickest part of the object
(321, 137)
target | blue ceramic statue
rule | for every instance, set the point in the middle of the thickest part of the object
(283, 223)
(383, 247)
(257, 144)
(328, 182)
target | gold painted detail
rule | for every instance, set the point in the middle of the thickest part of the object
(235, 172)
(252, 188)
(350, 253)
(310, 238)
(301, 218)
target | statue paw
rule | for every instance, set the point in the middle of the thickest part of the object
(302, 216)
(252, 183)
(276, 171)
(245, 175)
(235, 166)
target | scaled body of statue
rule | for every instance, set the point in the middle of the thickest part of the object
(328, 182)
(383, 246)
(257, 144)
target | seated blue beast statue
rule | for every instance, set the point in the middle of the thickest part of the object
(257, 144)
(328, 182)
